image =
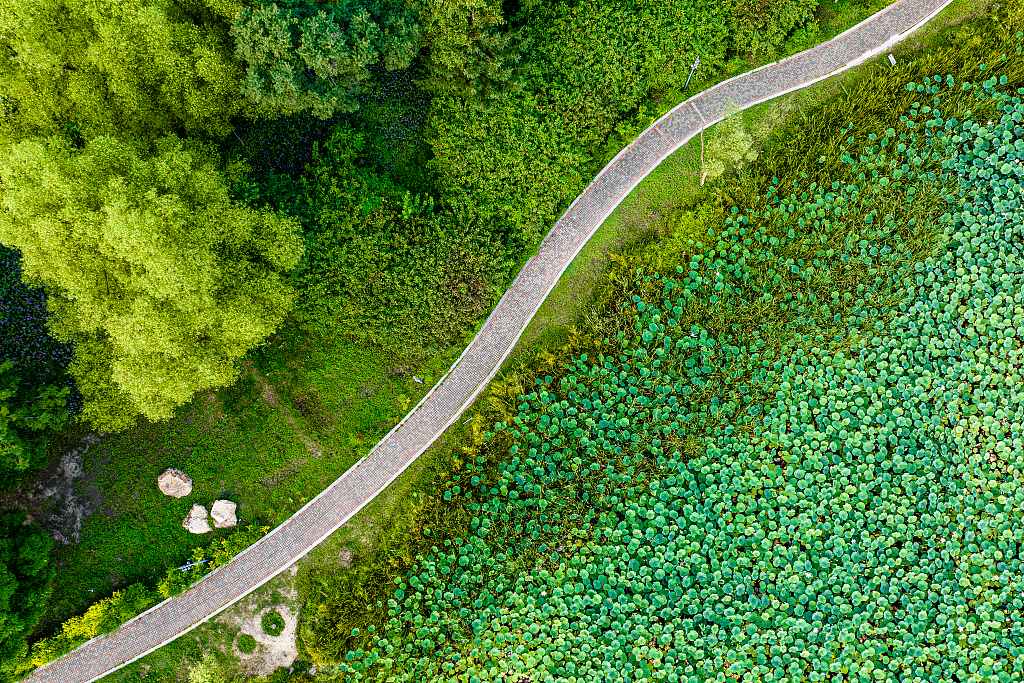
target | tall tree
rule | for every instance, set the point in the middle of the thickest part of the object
(141, 68)
(467, 55)
(302, 57)
(26, 578)
(161, 279)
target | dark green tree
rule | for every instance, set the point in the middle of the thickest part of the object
(758, 27)
(28, 415)
(26, 579)
(467, 55)
(302, 57)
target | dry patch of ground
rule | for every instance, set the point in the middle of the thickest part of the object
(281, 596)
(63, 495)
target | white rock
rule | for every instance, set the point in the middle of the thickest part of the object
(175, 483)
(195, 520)
(223, 513)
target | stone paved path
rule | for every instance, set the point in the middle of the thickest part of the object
(482, 358)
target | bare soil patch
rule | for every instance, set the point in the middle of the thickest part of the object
(281, 596)
(61, 496)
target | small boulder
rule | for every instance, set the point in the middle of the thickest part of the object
(223, 513)
(195, 520)
(174, 483)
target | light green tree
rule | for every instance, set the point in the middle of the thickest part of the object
(758, 27)
(298, 60)
(729, 146)
(139, 68)
(159, 276)
(209, 670)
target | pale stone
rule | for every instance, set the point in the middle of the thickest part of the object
(175, 483)
(195, 520)
(223, 513)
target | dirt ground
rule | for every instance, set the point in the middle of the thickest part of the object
(271, 652)
(61, 496)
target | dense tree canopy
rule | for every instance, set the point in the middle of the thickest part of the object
(466, 54)
(27, 414)
(159, 276)
(26, 576)
(131, 68)
(297, 59)
(758, 27)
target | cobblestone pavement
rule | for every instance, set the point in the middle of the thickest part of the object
(483, 356)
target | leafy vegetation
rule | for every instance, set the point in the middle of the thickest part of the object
(246, 643)
(107, 614)
(26, 578)
(36, 394)
(272, 623)
(297, 61)
(573, 566)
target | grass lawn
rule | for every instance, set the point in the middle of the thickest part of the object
(308, 406)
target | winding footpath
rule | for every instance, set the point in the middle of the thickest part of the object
(481, 359)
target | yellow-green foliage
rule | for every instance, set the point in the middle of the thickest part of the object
(134, 68)
(101, 617)
(162, 277)
(729, 146)
(219, 552)
(108, 614)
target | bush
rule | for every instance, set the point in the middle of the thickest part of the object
(272, 623)
(206, 560)
(246, 643)
(27, 420)
(37, 394)
(102, 617)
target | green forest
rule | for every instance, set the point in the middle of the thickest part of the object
(778, 439)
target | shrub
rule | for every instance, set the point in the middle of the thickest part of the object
(37, 395)
(272, 623)
(246, 643)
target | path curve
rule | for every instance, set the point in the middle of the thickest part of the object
(483, 356)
